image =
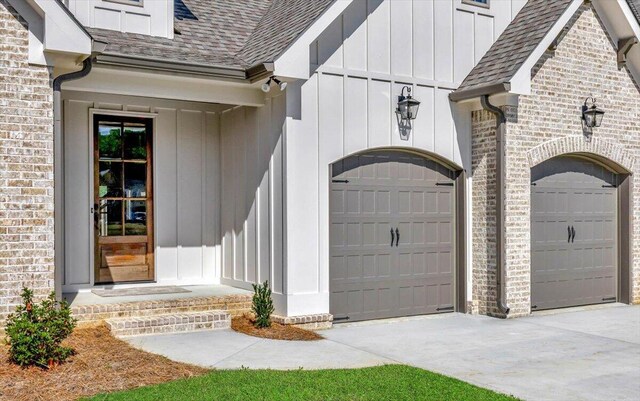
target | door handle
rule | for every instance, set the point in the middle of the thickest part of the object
(569, 232)
(392, 236)
(573, 234)
(397, 236)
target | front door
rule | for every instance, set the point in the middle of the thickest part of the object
(123, 202)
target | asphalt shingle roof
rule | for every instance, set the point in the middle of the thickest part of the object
(227, 33)
(634, 5)
(517, 42)
(282, 24)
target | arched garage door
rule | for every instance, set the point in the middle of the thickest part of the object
(391, 236)
(573, 234)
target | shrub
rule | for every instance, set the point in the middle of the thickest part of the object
(36, 331)
(262, 305)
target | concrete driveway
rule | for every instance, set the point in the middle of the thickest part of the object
(580, 354)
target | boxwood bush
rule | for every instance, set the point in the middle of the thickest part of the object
(35, 331)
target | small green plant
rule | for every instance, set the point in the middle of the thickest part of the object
(262, 306)
(35, 331)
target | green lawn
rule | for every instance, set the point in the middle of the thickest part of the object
(390, 382)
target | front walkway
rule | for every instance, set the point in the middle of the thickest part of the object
(590, 354)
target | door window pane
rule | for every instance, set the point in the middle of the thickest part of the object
(110, 141)
(135, 217)
(110, 179)
(110, 218)
(135, 141)
(135, 180)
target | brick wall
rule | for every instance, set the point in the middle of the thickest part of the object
(483, 226)
(26, 166)
(547, 123)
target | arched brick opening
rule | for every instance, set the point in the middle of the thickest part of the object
(617, 159)
(614, 156)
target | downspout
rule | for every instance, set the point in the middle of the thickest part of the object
(58, 171)
(500, 247)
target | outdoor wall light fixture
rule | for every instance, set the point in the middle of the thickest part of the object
(407, 106)
(591, 115)
(266, 87)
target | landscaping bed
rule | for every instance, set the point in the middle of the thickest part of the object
(244, 324)
(102, 364)
(389, 382)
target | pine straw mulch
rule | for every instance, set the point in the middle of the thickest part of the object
(277, 331)
(102, 364)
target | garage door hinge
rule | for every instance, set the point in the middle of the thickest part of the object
(608, 186)
(445, 308)
(444, 184)
(342, 181)
(609, 299)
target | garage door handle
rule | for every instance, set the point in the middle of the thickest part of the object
(392, 238)
(397, 236)
(569, 232)
(573, 234)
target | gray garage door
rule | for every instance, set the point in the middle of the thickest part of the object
(573, 234)
(392, 236)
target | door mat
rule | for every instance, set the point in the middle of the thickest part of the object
(124, 292)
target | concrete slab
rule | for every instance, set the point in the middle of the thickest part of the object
(195, 291)
(555, 357)
(586, 354)
(227, 349)
(203, 348)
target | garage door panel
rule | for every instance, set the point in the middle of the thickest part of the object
(573, 234)
(369, 276)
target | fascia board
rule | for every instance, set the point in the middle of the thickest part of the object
(61, 33)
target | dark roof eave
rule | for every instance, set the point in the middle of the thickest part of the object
(471, 93)
(260, 71)
(120, 60)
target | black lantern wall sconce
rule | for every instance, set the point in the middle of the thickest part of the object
(407, 106)
(406, 111)
(591, 115)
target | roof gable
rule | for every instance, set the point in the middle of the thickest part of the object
(518, 41)
(506, 67)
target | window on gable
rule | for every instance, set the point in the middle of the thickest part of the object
(480, 3)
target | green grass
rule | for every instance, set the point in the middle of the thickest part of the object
(390, 382)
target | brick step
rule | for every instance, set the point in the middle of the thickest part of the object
(169, 323)
(233, 304)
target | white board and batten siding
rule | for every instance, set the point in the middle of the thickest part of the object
(145, 17)
(359, 65)
(218, 189)
(251, 208)
(186, 148)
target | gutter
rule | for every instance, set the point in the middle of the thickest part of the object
(58, 167)
(472, 93)
(500, 179)
(254, 73)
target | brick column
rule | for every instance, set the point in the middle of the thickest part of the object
(26, 167)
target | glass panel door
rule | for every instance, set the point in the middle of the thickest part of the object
(123, 199)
